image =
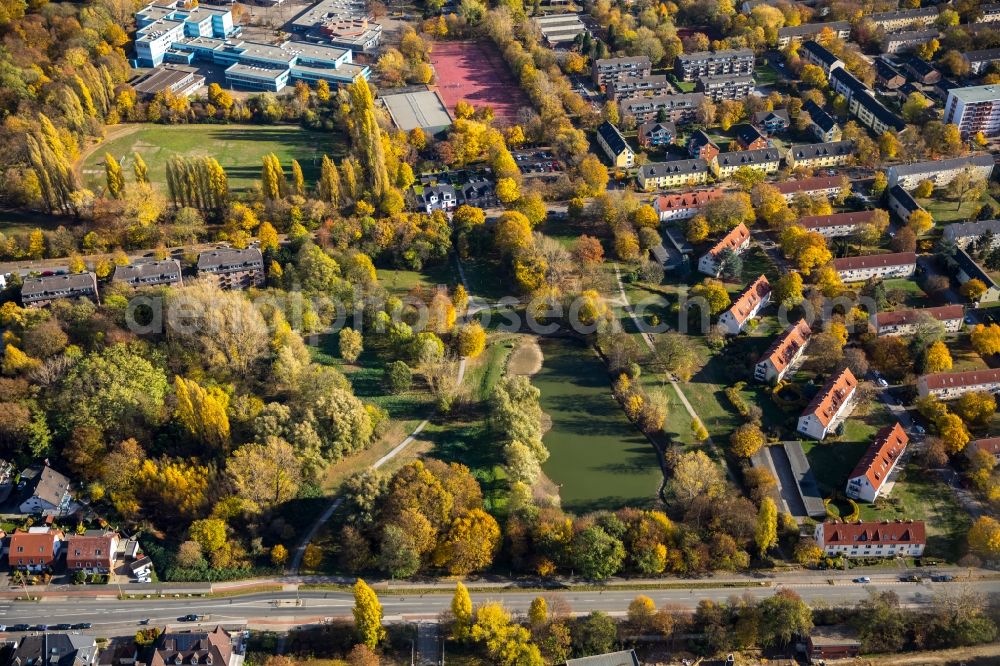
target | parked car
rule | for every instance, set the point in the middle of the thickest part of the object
(190, 617)
(82, 625)
(911, 578)
(863, 579)
(18, 627)
(919, 429)
(62, 627)
(942, 578)
(881, 382)
(40, 627)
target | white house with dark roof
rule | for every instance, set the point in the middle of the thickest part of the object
(37, 292)
(939, 172)
(819, 155)
(764, 159)
(46, 492)
(675, 173)
(968, 269)
(964, 234)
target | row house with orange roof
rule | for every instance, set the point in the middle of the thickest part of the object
(951, 385)
(870, 474)
(783, 353)
(832, 401)
(737, 240)
(684, 206)
(746, 306)
(872, 538)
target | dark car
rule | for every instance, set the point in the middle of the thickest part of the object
(82, 625)
(190, 617)
(911, 578)
(40, 627)
(62, 627)
(18, 627)
(942, 578)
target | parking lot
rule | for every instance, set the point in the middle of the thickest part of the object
(536, 162)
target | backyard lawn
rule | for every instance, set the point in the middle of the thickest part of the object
(239, 149)
(947, 210)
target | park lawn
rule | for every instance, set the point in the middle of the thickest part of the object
(833, 459)
(399, 282)
(482, 373)
(915, 296)
(239, 149)
(21, 222)
(919, 496)
(963, 356)
(765, 75)
(945, 210)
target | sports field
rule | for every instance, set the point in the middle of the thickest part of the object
(238, 148)
(476, 72)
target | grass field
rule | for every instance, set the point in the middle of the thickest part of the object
(947, 210)
(598, 458)
(238, 148)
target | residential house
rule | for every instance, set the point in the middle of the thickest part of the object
(93, 551)
(764, 159)
(675, 173)
(905, 322)
(872, 538)
(838, 224)
(980, 60)
(828, 405)
(888, 265)
(214, 648)
(622, 658)
(746, 306)
(870, 474)
(901, 19)
(975, 109)
(605, 70)
(737, 240)
(440, 196)
(772, 122)
(939, 172)
(787, 35)
(657, 134)
(814, 53)
(479, 192)
(624, 87)
(831, 642)
(901, 203)
(990, 445)
(689, 66)
(749, 137)
(819, 155)
(863, 105)
(907, 40)
(968, 269)
(149, 274)
(684, 206)
(37, 292)
(725, 86)
(821, 124)
(701, 146)
(922, 71)
(679, 108)
(46, 492)
(951, 385)
(55, 649)
(232, 268)
(989, 13)
(615, 146)
(963, 234)
(887, 75)
(141, 567)
(783, 353)
(35, 549)
(813, 186)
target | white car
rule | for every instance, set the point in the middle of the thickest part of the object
(881, 382)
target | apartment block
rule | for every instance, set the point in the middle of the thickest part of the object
(736, 241)
(838, 224)
(657, 134)
(872, 471)
(678, 109)
(829, 405)
(615, 146)
(963, 234)
(901, 19)
(605, 70)
(675, 173)
(814, 53)
(813, 186)
(690, 66)
(37, 292)
(885, 266)
(907, 40)
(951, 385)
(765, 159)
(684, 206)
(822, 125)
(232, 268)
(625, 87)
(872, 539)
(746, 306)
(905, 322)
(819, 155)
(798, 33)
(968, 269)
(783, 353)
(974, 109)
(149, 274)
(979, 61)
(939, 172)
(725, 86)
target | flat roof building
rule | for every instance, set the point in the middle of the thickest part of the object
(424, 109)
(179, 80)
(974, 109)
(560, 29)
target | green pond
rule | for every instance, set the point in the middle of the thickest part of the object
(598, 458)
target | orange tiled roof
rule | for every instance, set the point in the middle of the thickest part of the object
(788, 344)
(833, 394)
(748, 300)
(889, 444)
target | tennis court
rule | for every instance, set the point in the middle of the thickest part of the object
(476, 73)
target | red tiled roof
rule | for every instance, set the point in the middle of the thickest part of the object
(732, 240)
(875, 532)
(991, 445)
(827, 402)
(812, 184)
(788, 344)
(688, 199)
(90, 548)
(898, 317)
(889, 444)
(875, 261)
(36, 545)
(812, 222)
(748, 300)
(961, 379)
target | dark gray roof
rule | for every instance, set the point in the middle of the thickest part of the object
(54, 649)
(613, 62)
(819, 116)
(764, 116)
(726, 54)
(819, 52)
(918, 12)
(903, 198)
(748, 157)
(920, 68)
(655, 126)
(655, 169)
(853, 83)
(911, 35)
(613, 138)
(971, 229)
(884, 70)
(974, 270)
(230, 259)
(747, 134)
(725, 78)
(54, 286)
(151, 272)
(699, 138)
(815, 150)
(878, 110)
(982, 55)
(623, 658)
(931, 166)
(678, 101)
(440, 189)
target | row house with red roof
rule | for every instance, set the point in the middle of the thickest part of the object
(783, 353)
(684, 206)
(35, 549)
(951, 385)
(990, 445)
(905, 322)
(746, 306)
(872, 539)
(885, 266)
(832, 401)
(870, 474)
(737, 240)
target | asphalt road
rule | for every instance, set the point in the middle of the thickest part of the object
(281, 610)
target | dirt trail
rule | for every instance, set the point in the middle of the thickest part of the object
(111, 134)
